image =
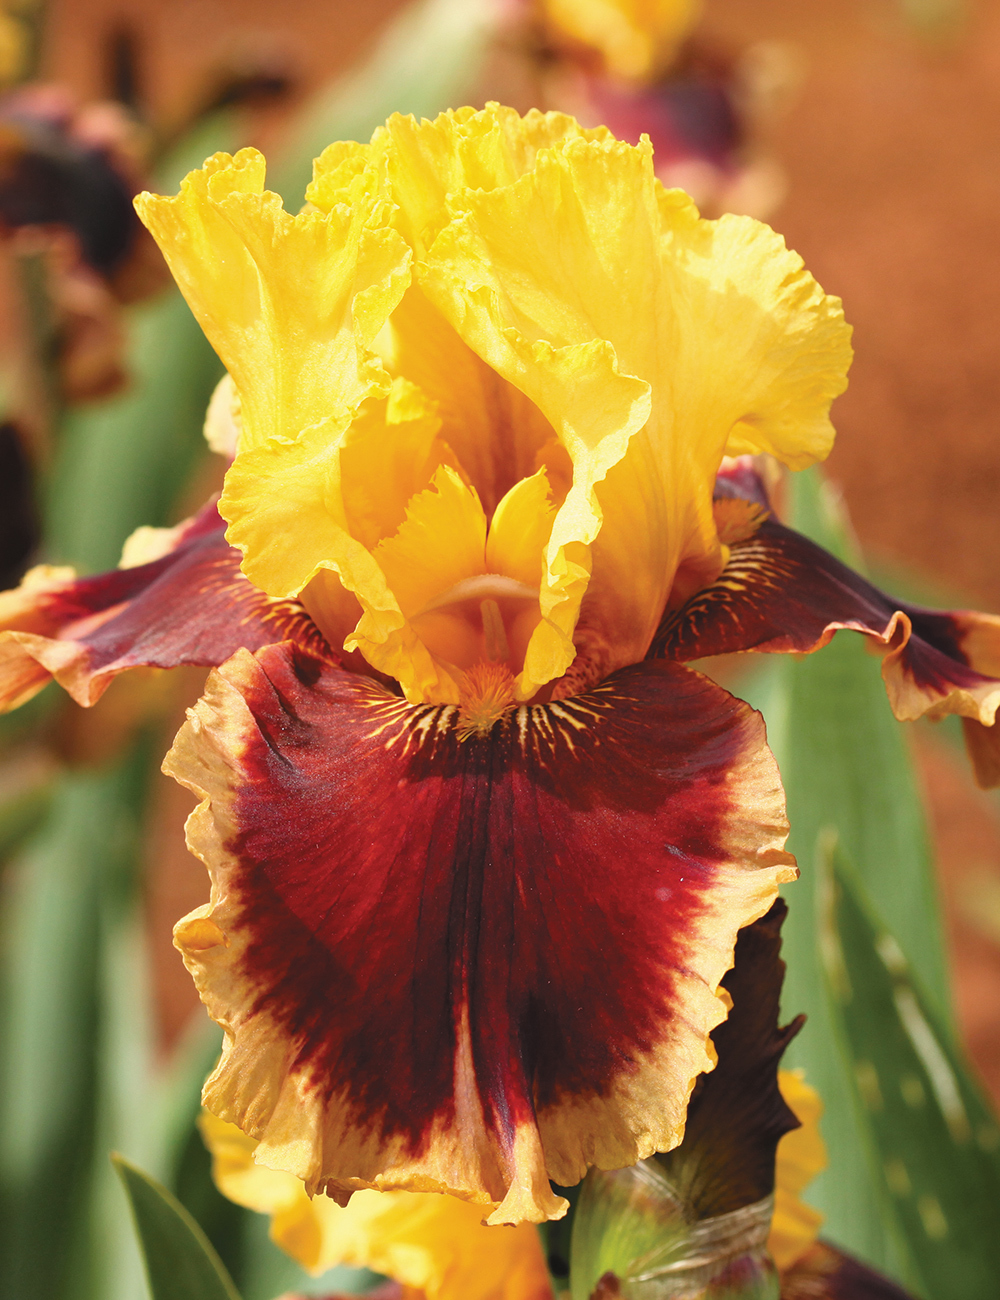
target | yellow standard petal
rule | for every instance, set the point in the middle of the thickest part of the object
(433, 1243)
(567, 317)
(653, 342)
(309, 515)
(291, 304)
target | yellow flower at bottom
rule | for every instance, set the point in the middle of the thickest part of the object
(801, 1156)
(439, 1246)
(432, 1243)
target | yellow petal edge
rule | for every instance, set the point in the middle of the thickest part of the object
(433, 1243)
(438, 1245)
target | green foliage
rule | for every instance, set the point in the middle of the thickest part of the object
(934, 1140)
(845, 763)
(69, 1036)
(180, 1261)
(124, 462)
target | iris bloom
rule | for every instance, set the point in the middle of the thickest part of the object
(480, 842)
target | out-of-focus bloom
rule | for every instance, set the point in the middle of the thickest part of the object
(67, 176)
(435, 1244)
(636, 40)
(480, 844)
(14, 44)
(637, 67)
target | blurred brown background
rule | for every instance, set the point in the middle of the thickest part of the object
(892, 154)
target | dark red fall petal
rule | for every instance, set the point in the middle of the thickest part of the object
(737, 1114)
(192, 605)
(469, 965)
(826, 1273)
(781, 592)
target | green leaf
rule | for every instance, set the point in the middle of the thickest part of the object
(845, 763)
(180, 1261)
(935, 1141)
(125, 461)
(72, 883)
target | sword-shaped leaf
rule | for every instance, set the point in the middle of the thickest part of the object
(935, 1141)
(181, 1263)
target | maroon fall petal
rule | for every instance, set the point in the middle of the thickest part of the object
(469, 965)
(192, 605)
(826, 1273)
(782, 593)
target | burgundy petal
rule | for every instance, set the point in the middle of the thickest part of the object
(782, 593)
(469, 965)
(826, 1273)
(190, 606)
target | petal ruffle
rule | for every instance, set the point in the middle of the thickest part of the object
(653, 342)
(326, 517)
(191, 605)
(782, 593)
(292, 304)
(435, 1244)
(469, 966)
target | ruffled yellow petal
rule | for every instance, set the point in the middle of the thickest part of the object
(424, 162)
(434, 1243)
(615, 308)
(567, 315)
(429, 565)
(291, 304)
(498, 434)
(801, 1156)
(387, 459)
(303, 511)
(519, 531)
(15, 45)
(637, 38)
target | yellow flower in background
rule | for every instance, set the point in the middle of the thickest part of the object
(14, 45)
(801, 1156)
(435, 1244)
(636, 38)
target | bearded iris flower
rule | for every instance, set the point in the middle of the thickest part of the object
(480, 842)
